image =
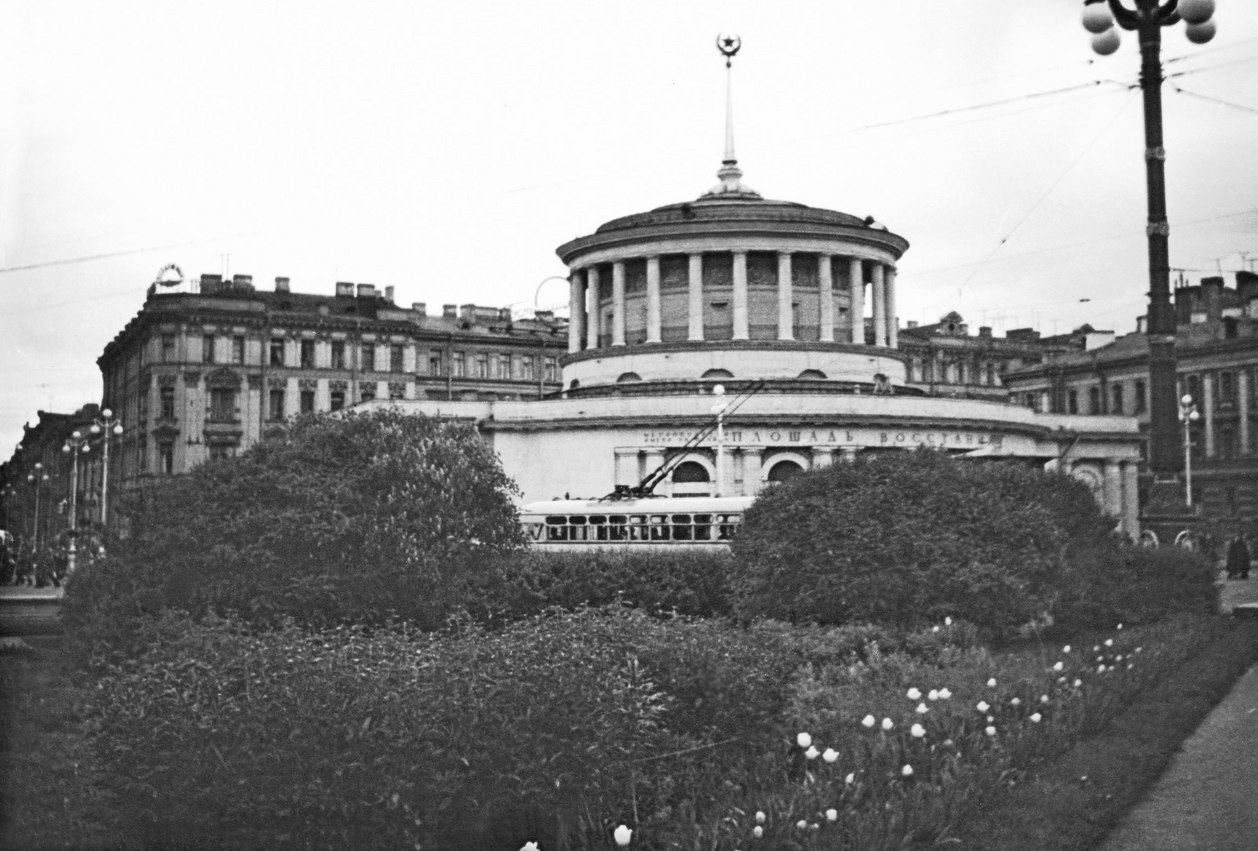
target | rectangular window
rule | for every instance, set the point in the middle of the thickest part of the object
(395, 358)
(552, 369)
(222, 404)
(276, 409)
(238, 349)
(207, 348)
(338, 354)
(168, 348)
(504, 367)
(458, 364)
(367, 392)
(277, 351)
(338, 399)
(1227, 388)
(397, 390)
(166, 457)
(219, 451)
(482, 366)
(1094, 400)
(307, 401)
(307, 354)
(369, 357)
(1072, 402)
(434, 362)
(1141, 401)
(1116, 394)
(526, 368)
(168, 403)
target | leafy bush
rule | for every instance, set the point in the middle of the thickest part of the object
(361, 517)
(908, 537)
(1114, 584)
(658, 582)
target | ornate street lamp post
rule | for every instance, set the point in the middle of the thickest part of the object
(107, 425)
(75, 444)
(1187, 415)
(1147, 20)
(37, 478)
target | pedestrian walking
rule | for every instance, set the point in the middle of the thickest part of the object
(1238, 558)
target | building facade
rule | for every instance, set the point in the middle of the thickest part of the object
(1216, 351)
(208, 368)
(779, 319)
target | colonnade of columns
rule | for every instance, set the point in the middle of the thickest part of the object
(586, 285)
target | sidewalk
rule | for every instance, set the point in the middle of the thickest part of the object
(1206, 798)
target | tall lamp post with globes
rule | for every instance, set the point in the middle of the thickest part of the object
(37, 479)
(106, 425)
(1147, 20)
(1187, 415)
(75, 444)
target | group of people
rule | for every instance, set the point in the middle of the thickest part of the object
(1238, 558)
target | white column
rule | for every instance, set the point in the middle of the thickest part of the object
(1131, 498)
(880, 306)
(1112, 495)
(653, 299)
(1207, 411)
(822, 456)
(857, 277)
(1242, 402)
(847, 454)
(576, 310)
(618, 303)
(696, 297)
(825, 291)
(592, 317)
(753, 457)
(893, 331)
(786, 316)
(741, 329)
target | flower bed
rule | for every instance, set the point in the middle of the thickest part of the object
(559, 729)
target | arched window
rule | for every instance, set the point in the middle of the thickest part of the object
(783, 470)
(690, 478)
(815, 374)
(717, 373)
(628, 377)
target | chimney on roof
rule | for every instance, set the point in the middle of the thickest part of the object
(211, 284)
(450, 311)
(1186, 299)
(243, 283)
(1246, 287)
(388, 293)
(366, 290)
(1212, 295)
(984, 330)
(420, 307)
(344, 288)
(281, 285)
(912, 323)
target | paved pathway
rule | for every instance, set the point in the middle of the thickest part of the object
(1207, 800)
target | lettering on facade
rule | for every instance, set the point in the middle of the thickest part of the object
(838, 436)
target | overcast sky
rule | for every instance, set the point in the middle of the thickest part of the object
(446, 149)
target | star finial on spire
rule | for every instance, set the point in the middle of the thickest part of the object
(729, 173)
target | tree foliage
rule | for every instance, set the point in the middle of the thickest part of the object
(361, 517)
(909, 537)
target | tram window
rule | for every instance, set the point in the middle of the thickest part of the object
(599, 530)
(617, 529)
(659, 527)
(556, 527)
(703, 527)
(682, 530)
(637, 527)
(726, 525)
(578, 530)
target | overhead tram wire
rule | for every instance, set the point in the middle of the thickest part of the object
(1220, 101)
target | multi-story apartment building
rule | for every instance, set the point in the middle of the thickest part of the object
(209, 367)
(945, 359)
(1216, 352)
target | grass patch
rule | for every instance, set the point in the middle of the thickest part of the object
(1076, 800)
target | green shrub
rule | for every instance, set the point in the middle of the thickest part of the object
(1108, 585)
(658, 582)
(908, 537)
(362, 517)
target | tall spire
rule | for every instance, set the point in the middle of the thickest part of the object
(729, 173)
